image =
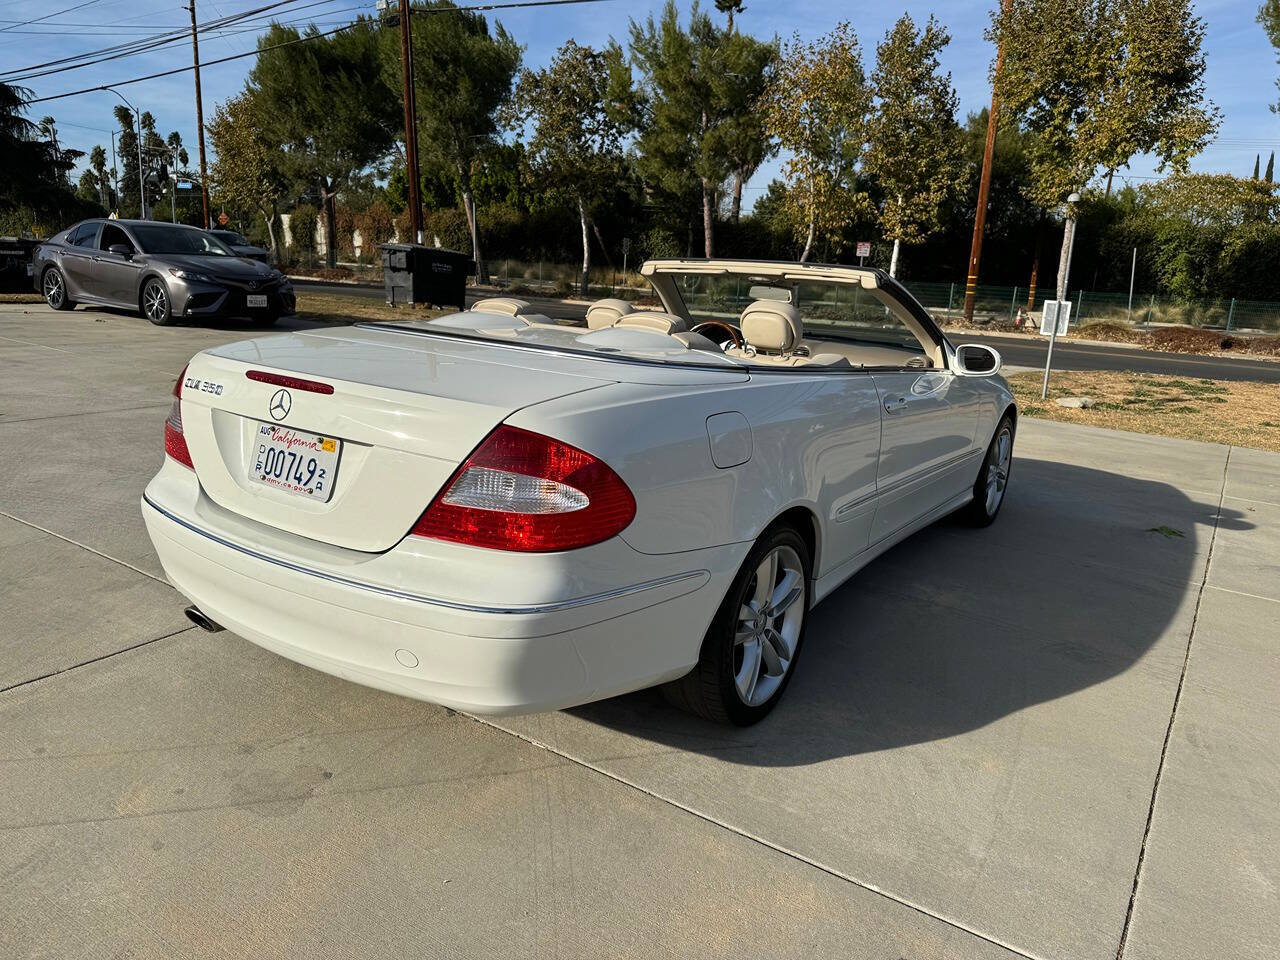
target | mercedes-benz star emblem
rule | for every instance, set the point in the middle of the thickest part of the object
(280, 404)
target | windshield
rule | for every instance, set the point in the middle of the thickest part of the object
(230, 236)
(847, 311)
(159, 238)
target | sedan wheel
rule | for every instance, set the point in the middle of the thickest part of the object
(155, 303)
(54, 287)
(993, 478)
(750, 650)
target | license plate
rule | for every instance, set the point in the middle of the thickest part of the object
(257, 300)
(304, 464)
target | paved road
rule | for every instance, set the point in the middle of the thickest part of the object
(995, 738)
(1016, 351)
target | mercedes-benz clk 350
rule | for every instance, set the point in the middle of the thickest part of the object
(500, 512)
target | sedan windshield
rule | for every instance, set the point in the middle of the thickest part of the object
(159, 238)
(230, 236)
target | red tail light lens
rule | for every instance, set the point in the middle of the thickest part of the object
(522, 491)
(175, 444)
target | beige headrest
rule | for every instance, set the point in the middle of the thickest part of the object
(653, 320)
(508, 305)
(772, 326)
(607, 312)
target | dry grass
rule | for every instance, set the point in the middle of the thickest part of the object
(1216, 411)
(32, 297)
(327, 308)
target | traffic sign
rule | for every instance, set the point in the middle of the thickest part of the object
(1057, 314)
(223, 219)
(864, 249)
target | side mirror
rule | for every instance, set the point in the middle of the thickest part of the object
(976, 360)
(120, 250)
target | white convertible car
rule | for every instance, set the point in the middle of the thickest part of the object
(500, 513)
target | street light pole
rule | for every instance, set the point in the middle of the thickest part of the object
(142, 183)
(115, 173)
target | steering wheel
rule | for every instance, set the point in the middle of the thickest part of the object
(722, 327)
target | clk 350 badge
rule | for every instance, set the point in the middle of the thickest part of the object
(204, 386)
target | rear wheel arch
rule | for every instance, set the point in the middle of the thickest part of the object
(803, 521)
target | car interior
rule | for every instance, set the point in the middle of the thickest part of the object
(838, 320)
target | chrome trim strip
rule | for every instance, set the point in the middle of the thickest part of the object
(419, 598)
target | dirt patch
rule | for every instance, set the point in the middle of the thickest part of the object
(326, 308)
(1216, 411)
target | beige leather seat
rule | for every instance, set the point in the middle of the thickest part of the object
(653, 320)
(772, 331)
(607, 312)
(505, 305)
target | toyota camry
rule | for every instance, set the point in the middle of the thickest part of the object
(164, 271)
(498, 512)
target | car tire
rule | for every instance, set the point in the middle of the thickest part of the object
(737, 678)
(53, 285)
(155, 303)
(993, 477)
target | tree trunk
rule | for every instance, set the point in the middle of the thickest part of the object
(735, 211)
(270, 217)
(1035, 268)
(808, 243)
(586, 247)
(708, 220)
(893, 259)
(1064, 257)
(469, 205)
(330, 224)
(595, 228)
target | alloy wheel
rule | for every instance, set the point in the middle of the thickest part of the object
(998, 469)
(54, 289)
(768, 628)
(155, 302)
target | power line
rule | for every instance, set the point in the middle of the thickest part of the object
(141, 45)
(305, 39)
(50, 15)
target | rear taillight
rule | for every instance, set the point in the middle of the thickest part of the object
(175, 444)
(523, 491)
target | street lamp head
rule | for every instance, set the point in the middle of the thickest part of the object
(1073, 197)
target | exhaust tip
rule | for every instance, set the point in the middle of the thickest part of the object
(201, 620)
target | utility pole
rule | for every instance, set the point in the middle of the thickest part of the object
(410, 121)
(195, 59)
(984, 183)
(115, 174)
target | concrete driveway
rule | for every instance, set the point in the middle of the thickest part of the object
(1058, 737)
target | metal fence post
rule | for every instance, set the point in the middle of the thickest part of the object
(1079, 307)
(1150, 309)
(1013, 303)
(1231, 312)
(951, 292)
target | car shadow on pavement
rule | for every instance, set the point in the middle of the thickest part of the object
(955, 628)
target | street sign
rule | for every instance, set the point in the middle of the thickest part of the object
(864, 250)
(184, 184)
(1053, 324)
(1056, 317)
(223, 219)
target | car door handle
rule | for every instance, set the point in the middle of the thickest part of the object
(894, 404)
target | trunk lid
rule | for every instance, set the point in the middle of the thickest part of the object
(407, 410)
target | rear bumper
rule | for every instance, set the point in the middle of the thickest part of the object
(467, 655)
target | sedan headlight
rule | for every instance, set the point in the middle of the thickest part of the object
(191, 275)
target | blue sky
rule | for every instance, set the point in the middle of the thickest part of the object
(1241, 63)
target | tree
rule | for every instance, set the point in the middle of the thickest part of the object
(463, 77)
(914, 146)
(247, 170)
(326, 103)
(1271, 167)
(1257, 168)
(730, 8)
(741, 84)
(575, 143)
(1269, 17)
(817, 109)
(96, 178)
(1099, 81)
(34, 193)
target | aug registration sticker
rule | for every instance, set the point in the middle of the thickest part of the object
(304, 464)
